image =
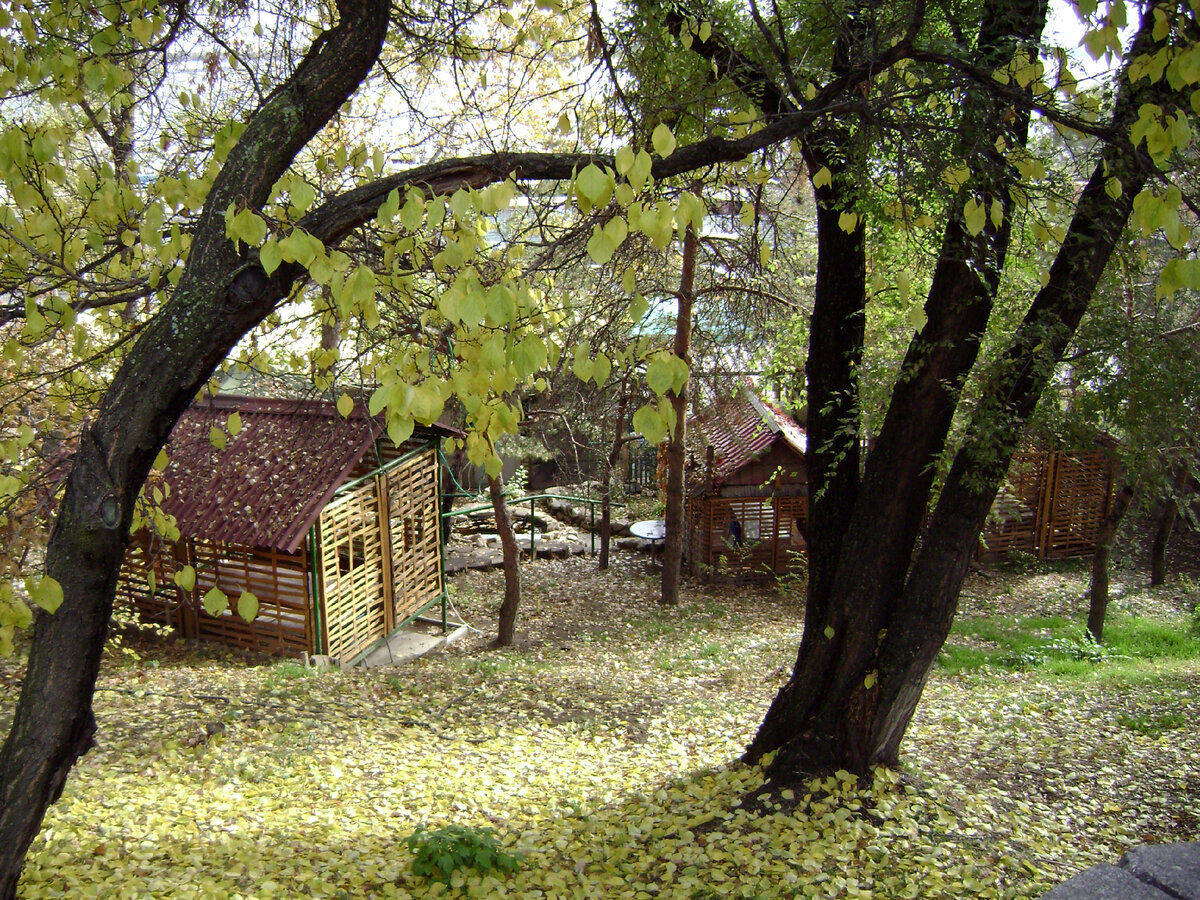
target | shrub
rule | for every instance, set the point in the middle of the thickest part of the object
(437, 854)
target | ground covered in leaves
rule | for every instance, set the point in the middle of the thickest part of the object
(601, 753)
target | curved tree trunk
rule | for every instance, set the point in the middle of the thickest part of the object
(1098, 588)
(507, 626)
(221, 295)
(673, 545)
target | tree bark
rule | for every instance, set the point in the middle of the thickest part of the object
(676, 447)
(221, 295)
(1098, 588)
(1164, 526)
(614, 457)
(507, 625)
(869, 644)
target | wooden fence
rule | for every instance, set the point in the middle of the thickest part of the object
(746, 539)
(279, 581)
(1051, 506)
(379, 555)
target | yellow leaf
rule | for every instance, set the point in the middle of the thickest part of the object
(345, 405)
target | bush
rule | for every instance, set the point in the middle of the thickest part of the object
(437, 854)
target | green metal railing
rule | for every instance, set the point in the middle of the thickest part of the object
(531, 500)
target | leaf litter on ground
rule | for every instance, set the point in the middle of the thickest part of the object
(603, 749)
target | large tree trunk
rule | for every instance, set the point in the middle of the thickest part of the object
(221, 295)
(869, 643)
(676, 450)
(1098, 588)
(1164, 526)
(507, 625)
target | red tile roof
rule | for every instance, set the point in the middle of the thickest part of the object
(742, 429)
(269, 484)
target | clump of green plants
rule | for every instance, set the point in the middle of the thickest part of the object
(438, 853)
(1154, 725)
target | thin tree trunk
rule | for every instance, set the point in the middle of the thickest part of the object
(673, 545)
(221, 295)
(506, 629)
(614, 456)
(1164, 526)
(1098, 588)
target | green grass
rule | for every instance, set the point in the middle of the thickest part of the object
(1060, 646)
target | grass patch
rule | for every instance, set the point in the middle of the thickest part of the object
(1061, 646)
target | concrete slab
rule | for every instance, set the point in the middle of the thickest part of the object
(1173, 868)
(1105, 883)
(411, 642)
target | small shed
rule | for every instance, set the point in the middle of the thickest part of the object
(332, 527)
(747, 506)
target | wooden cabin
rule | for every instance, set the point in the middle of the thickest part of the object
(747, 508)
(1051, 504)
(335, 529)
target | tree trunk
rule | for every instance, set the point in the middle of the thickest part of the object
(614, 456)
(676, 450)
(507, 626)
(1164, 526)
(221, 295)
(1098, 588)
(868, 644)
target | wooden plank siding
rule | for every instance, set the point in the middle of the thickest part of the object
(768, 547)
(279, 580)
(1051, 506)
(351, 545)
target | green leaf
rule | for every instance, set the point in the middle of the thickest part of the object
(270, 256)
(659, 374)
(216, 437)
(974, 216)
(247, 606)
(234, 423)
(302, 195)
(595, 184)
(185, 578)
(46, 592)
(215, 602)
(829, 632)
(648, 422)
(663, 140)
(822, 178)
(248, 227)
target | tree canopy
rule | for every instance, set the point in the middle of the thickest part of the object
(179, 177)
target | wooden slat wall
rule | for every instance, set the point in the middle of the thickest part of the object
(767, 546)
(165, 603)
(350, 542)
(1079, 487)
(278, 580)
(413, 497)
(1052, 505)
